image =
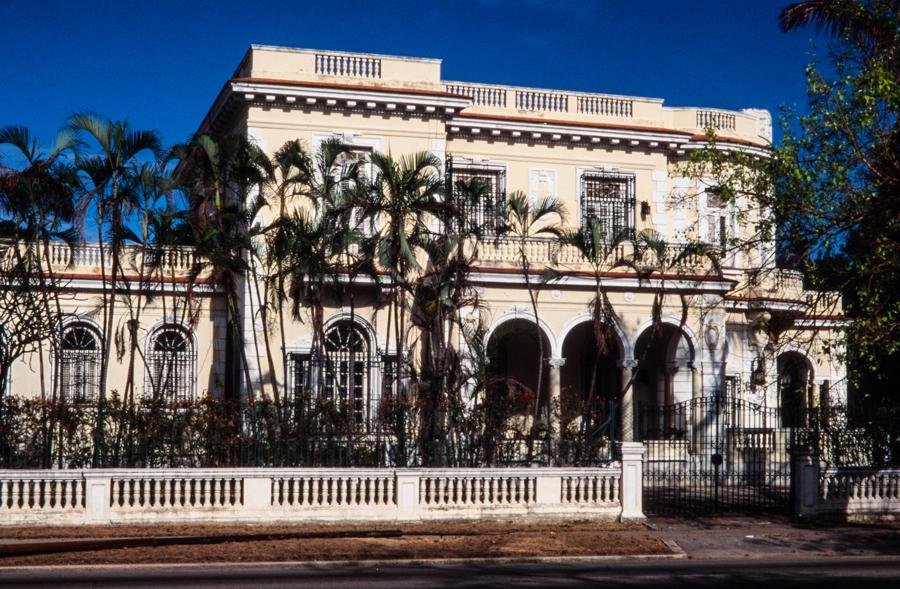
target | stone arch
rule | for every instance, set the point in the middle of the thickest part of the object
(665, 361)
(689, 334)
(517, 313)
(626, 346)
(590, 379)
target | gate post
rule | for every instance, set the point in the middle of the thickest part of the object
(632, 488)
(805, 471)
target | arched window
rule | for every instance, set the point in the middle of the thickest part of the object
(170, 366)
(79, 365)
(347, 374)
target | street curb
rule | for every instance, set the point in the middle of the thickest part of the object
(679, 555)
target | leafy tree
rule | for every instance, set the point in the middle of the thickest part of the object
(838, 183)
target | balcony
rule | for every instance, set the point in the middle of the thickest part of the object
(778, 288)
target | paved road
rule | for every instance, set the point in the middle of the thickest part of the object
(807, 572)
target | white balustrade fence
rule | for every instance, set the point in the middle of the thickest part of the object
(79, 497)
(858, 494)
(57, 496)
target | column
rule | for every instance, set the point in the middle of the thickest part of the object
(812, 411)
(669, 383)
(696, 381)
(696, 413)
(627, 409)
(554, 408)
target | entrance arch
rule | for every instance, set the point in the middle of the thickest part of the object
(588, 365)
(513, 359)
(665, 359)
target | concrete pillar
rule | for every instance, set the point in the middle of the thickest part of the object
(407, 486)
(97, 488)
(627, 410)
(257, 494)
(805, 471)
(696, 382)
(632, 456)
(814, 397)
(554, 408)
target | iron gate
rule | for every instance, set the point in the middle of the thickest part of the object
(714, 454)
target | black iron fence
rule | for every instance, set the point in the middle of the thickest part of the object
(212, 433)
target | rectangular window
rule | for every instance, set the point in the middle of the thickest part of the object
(487, 213)
(609, 198)
(79, 372)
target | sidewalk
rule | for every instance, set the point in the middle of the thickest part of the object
(769, 536)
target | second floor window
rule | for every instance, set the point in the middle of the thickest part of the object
(488, 213)
(609, 198)
(79, 365)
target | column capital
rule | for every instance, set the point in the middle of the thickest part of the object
(556, 362)
(632, 364)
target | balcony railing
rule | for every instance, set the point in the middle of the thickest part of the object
(505, 252)
(777, 284)
(89, 259)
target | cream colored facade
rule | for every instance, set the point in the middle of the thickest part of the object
(544, 143)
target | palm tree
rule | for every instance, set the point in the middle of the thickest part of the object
(866, 23)
(526, 221)
(37, 201)
(603, 253)
(404, 197)
(292, 177)
(107, 180)
(225, 178)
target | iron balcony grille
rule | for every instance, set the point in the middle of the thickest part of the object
(488, 214)
(609, 198)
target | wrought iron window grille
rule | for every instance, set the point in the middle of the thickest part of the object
(488, 214)
(609, 197)
(79, 365)
(349, 377)
(170, 367)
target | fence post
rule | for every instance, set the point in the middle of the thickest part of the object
(97, 495)
(548, 490)
(805, 471)
(257, 494)
(407, 489)
(632, 488)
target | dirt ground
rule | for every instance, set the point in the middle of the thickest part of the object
(337, 542)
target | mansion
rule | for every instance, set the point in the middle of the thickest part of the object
(738, 325)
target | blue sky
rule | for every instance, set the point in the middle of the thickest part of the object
(160, 64)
